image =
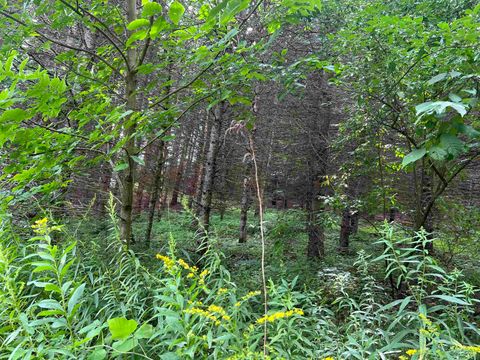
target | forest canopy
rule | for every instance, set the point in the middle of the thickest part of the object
(235, 179)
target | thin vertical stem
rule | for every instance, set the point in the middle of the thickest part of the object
(262, 237)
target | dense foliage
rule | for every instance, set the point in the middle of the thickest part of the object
(287, 179)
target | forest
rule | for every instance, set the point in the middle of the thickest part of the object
(240, 179)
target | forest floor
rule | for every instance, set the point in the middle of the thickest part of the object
(286, 243)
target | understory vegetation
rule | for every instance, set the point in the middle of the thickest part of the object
(74, 292)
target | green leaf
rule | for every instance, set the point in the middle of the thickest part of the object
(144, 332)
(169, 356)
(439, 107)
(468, 130)
(120, 167)
(121, 328)
(14, 114)
(437, 78)
(151, 8)
(98, 354)
(125, 345)
(74, 299)
(452, 144)
(135, 24)
(175, 12)
(50, 304)
(415, 155)
(437, 153)
(450, 299)
(138, 160)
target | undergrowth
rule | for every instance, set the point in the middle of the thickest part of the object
(63, 298)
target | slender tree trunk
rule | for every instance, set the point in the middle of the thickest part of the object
(128, 180)
(245, 204)
(180, 169)
(314, 207)
(201, 166)
(155, 192)
(345, 230)
(423, 217)
(210, 165)
(354, 222)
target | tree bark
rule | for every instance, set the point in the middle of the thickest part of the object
(155, 191)
(245, 203)
(128, 178)
(209, 169)
(345, 230)
(315, 231)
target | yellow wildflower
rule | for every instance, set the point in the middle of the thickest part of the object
(402, 357)
(411, 352)
(279, 315)
(250, 295)
(222, 291)
(183, 264)
(169, 263)
(202, 276)
(226, 317)
(474, 349)
(40, 226)
(190, 275)
(237, 304)
(329, 358)
(217, 309)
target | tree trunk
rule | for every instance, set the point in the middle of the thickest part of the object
(423, 217)
(315, 231)
(155, 191)
(179, 173)
(128, 180)
(345, 230)
(201, 166)
(245, 204)
(209, 169)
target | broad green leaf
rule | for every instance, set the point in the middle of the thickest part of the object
(452, 144)
(125, 345)
(14, 114)
(144, 332)
(175, 12)
(121, 328)
(439, 107)
(151, 8)
(135, 24)
(437, 153)
(415, 155)
(97, 354)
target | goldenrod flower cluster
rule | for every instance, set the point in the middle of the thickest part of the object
(184, 264)
(203, 313)
(213, 313)
(40, 226)
(247, 297)
(431, 328)
(279, 315)
(202, 276)
(474, 349)
(411, 352)
(167, 262)
(329, 358)
(222, 291)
